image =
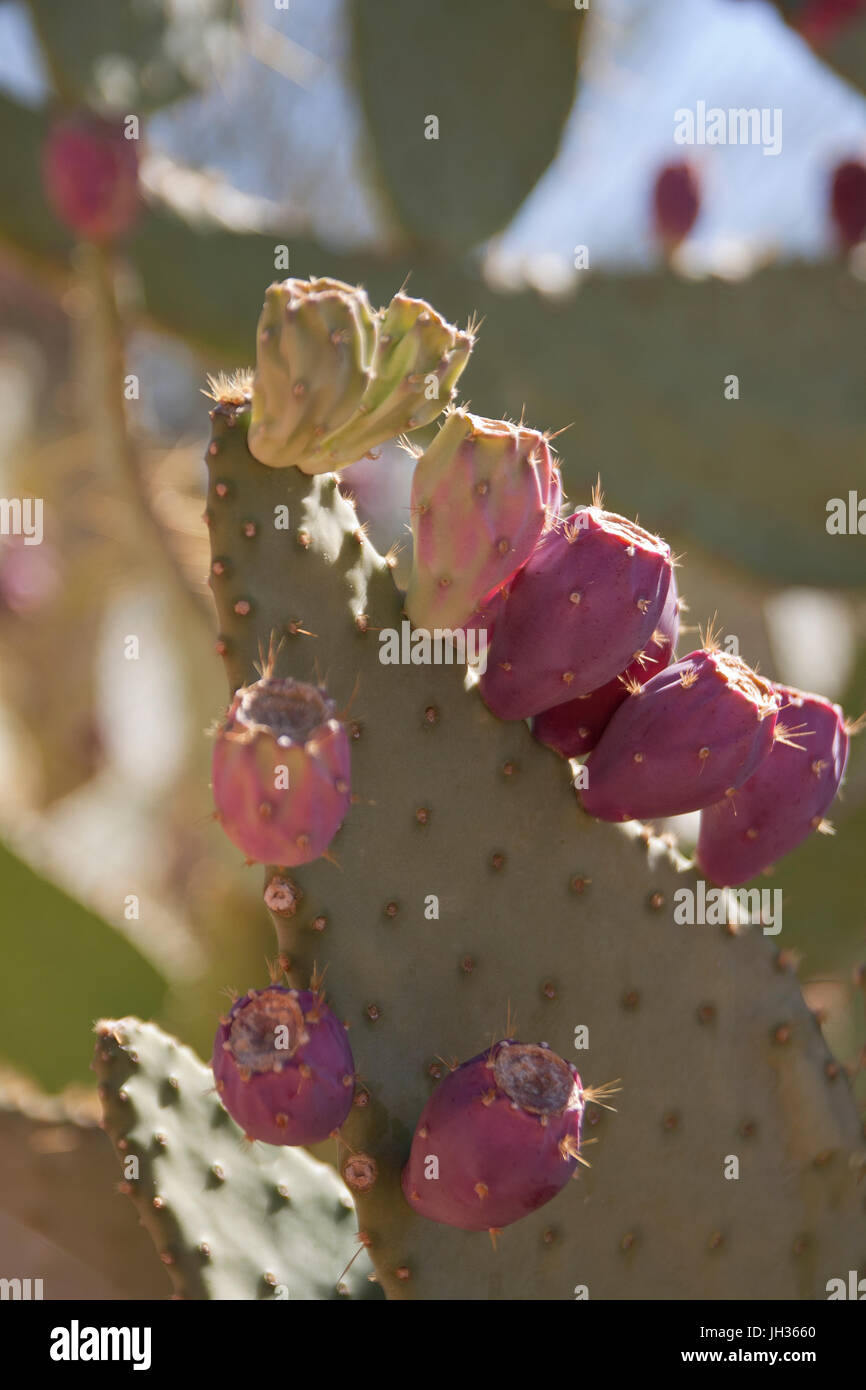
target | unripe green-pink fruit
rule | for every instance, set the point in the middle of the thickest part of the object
(281, 772)
(480, 497)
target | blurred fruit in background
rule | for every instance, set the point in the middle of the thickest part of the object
(90, 174)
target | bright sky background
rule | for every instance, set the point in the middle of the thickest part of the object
(300, 145)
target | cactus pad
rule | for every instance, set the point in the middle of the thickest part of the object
(467, 880)
(229, 1220)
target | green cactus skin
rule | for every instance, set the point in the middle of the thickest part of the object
(563, 920)
(164, 50)
(334, 380)
(503, 103)
(229, 1220)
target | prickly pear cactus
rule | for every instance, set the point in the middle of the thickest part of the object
(467, 884)
(228, 1221)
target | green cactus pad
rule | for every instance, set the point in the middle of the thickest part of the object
(230, 1220)
(91, 963)
(465, 105)
(140, 56)
(467, 882)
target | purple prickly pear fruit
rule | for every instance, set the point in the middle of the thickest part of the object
(676, 201)
(90, 176)
(281, 771)
(689, 737)
(589, 597)
(480, 497)
(785, 799)
(575, 728)
(848, 202)
(497, 1139)
(283, 1066)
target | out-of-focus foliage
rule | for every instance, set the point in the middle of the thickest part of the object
(497, 76)
(27, 224)
(52, 604)
(63, 965)
(836, 29)
(738, 474)
(135, 56)
(58, 1181)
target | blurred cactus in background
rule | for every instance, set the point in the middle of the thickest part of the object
(408, 178)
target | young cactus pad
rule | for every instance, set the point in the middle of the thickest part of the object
(465, 881)
(334, 379)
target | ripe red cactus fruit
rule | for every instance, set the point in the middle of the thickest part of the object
(688, 738)
(498, 1138)
(589, 597)
(90, 176)
(283, 1066)
(574, 728)
(785, 800)
(281, 770)
(848, 202)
